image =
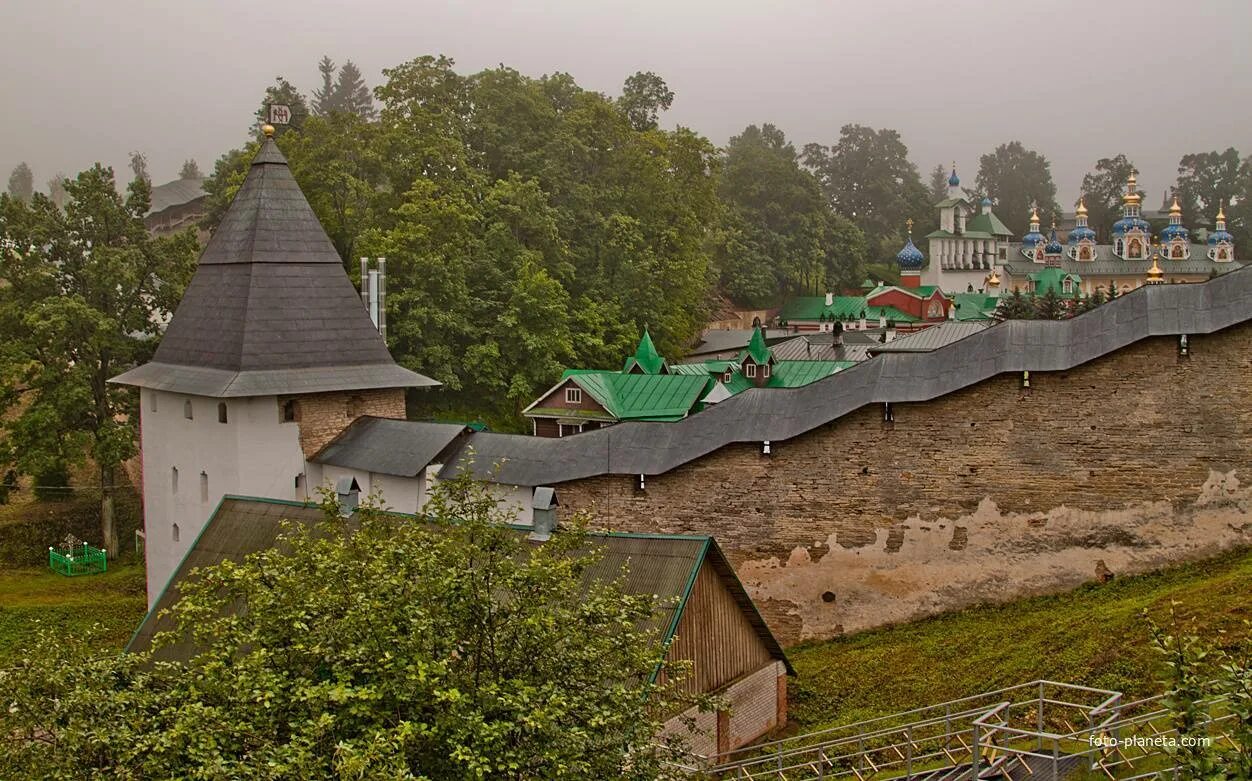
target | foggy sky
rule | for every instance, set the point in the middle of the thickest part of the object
(1076, 81)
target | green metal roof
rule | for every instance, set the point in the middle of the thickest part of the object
(975, 306)
(643, 396)
(646, 357)
(987, 223)
(1053, 279)
(758, 350)
(842, 308)
(794, 374)
(946, 202)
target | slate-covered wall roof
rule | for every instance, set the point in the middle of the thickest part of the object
(270, 309)
(389, 447)
(778, 415)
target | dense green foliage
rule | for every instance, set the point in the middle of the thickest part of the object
(82, 292)
(777, 235)
(22, 182)
(1094, 636)
(1017, 178)
(384, 648)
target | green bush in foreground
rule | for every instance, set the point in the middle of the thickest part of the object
(379, 648)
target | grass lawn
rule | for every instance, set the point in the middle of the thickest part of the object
(109, 606)
(1093, 636)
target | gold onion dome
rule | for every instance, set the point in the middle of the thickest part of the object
(268, 130)
(993, 279)
(1221, 213)
(1082, 207)
(1175, 208)
(1132, 195)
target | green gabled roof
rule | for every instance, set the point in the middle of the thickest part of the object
(921, 291)
(646, 357)
(975, 306)
(814, 307)
(794, 374)
(1052, 279)
(988, 223)
(946, 202)
(968, 234)
(757, 349)
(643, 396)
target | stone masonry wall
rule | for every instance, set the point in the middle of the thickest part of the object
(323, 415)
(1138, 459)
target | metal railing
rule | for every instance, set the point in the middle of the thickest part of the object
(1042, 729)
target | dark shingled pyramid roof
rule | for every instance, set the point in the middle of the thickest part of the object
(270, 309)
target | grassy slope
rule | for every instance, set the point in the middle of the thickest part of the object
(109, 606)
(1093, 636)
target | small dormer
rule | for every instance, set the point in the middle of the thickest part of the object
(757, 361)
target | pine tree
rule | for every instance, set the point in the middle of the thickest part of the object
(1113, 291)
(22, 182)
(323, 99)
(139, 166)
(56, 189)
(1050, 306)
(190, 170)
(1015, 307)
(351, 94)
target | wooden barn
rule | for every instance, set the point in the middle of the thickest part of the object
(712, 622)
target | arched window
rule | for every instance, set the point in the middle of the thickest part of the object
(174, 479)
(174, 532)
(187, 409)
(290, 411)
(204, 486)
(221, 412)
(1068, 285)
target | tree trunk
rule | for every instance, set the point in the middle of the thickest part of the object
(108, 527)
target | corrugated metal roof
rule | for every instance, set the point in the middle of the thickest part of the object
(779, 415)
(632, 396)
(270, 297)
(175, 193)
(931, 338)
(389, 447)
(664, 565)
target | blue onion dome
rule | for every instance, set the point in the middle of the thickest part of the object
(1170, 232)
(954, 180)
(1082, 232)
(1053, 247)
(1218, 236)
(1130, 223)
(986, 203)
(910, 258)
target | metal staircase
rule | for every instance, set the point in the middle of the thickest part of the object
(1042, 731)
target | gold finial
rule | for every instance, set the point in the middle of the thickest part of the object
(993, 279)
(1082, 207)
(1155, 274)
(1221, 211)
(1034, 213)
(1175, 208)
(909, 223)
(1130, 180)
(268, 130)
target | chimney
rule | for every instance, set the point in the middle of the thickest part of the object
(882, 319)
(349, 495)
(543, 507)
(863, 320)
(374, 293)
(830, 299)
(365, 284)
(382, 297)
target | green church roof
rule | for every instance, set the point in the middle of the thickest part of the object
(987, 223)
(757, 349)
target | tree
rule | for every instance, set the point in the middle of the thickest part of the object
(1206, 180)
(281, 93)
(83, 293)
(1102, 191)
(324, 97)
(644, 96)
(1017, 178)
(22, 182)
(778, 235)
(382, 648)
(938, 183)
(1016, 307)
(351, 94)
(190, 170)
(868, 178)
(139, 167)
(1051, 306)
(56, 190)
